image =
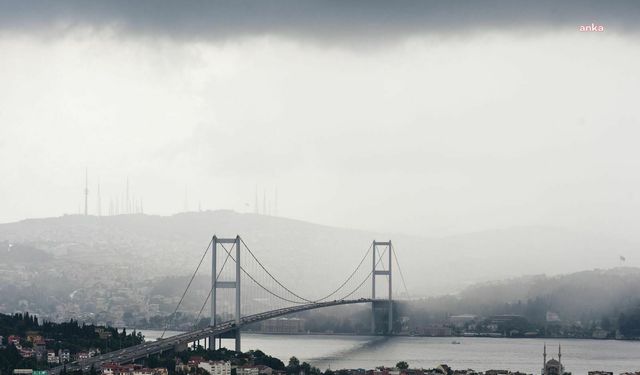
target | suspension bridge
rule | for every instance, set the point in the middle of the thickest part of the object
(243, 292)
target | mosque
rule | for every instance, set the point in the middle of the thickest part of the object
(552, 366)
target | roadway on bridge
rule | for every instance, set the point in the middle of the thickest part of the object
(146, 349)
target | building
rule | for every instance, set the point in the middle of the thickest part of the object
(459, 321)
(115, 369)
(52, 358)
(247, 370)
(13, 340)
(436, 330)
(65, 355)
(216, 367)
(283, 325)
(81, 356)
(264, 370)
(552, 366)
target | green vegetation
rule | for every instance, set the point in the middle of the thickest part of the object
(69, 335)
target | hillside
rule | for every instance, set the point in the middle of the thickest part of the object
(303, 252)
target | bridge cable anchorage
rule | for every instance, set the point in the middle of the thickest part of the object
(257, 283)
(186, 289)
(366, 278)
(270, 275)
(350, 276)
(210, 291)
(400, 270)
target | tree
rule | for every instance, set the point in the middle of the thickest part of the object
(294, 366)
(294, 362)
(402, 365)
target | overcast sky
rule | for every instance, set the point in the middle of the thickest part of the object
(416, 117)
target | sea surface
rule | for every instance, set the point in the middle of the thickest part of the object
(481, 354)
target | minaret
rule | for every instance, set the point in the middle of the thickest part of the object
(560, 359)
(86, 191)
(544, 359)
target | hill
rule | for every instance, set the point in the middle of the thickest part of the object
(301, 251)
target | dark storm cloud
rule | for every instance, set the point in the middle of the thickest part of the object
(320, 20)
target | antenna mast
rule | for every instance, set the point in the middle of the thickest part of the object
(86, 191)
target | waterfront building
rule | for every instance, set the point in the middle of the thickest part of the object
(459, 321)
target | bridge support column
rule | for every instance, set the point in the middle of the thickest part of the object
(216, 284)
(378, 270)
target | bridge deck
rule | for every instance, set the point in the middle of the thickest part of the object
(134, 353)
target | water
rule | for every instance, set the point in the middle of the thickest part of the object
(481, 354)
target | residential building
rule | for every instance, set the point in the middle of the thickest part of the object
(13, 340)
(247, 370)
(65, 355)
(264, 370)
(80, 356)
(52, 358)
(217, 367)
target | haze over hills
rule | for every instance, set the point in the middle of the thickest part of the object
(303, 252)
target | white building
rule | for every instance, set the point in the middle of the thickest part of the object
(216, 367)
(247, 370)
(52, 357)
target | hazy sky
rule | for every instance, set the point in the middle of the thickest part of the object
(416, 117)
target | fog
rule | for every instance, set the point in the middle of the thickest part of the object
(423, 118)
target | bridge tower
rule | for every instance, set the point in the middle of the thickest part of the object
(218, 284)
(379, 248)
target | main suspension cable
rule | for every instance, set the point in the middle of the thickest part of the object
(393, 250)
(270, 275)
(366, 278)
(172, 316)
(350, 276)
(260, 285)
